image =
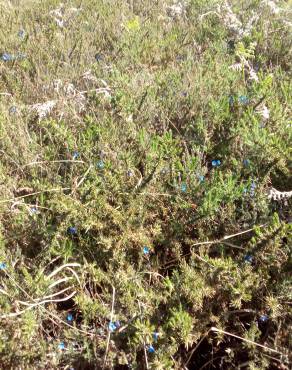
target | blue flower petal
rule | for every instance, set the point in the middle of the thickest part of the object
(69, 317)
(231, 100)
(145, 250)
(2, 266)
(98, 57)
(12, 109)
(216, 162)
(151, 349)
(6, 57)
(243, 99)
(21, 34)
(75, 155)
(111, 326)
(263, 319)
(155, 336)
(117, 324)
(61, 345)
(248, 258)
(72, 230)
(183, 188)
(100, 165)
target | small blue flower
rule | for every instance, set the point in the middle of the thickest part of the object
(6, 57)
(151, 349)
(130, 173)
(72, 230)
(183, 188)
(231, 100)
(155, 336)
(146, 250)
(61, 346)
(201, 178)
(100, 165)
(2, 266)
(246, 162)
(111, 326)
(32, 211)
(216, 162)
(98, 57)
(75, 155)
(21, 34)
(252, 188)
(263, 319)
(12, 109)
(117, 324)
(69, 317)
(248, 258)
(243, 99)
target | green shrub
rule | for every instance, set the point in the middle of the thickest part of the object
(145, 186)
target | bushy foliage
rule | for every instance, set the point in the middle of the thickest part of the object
(142, 145)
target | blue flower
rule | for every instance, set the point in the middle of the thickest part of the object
(155, 336)
(231, 100)
(130, 173)
(243, 99)
(100, 165)
(252, 188)
(111, 326)
(183, 188)
(32, 211)
(246, 162)
(75, 155)
(117, 324)
(248, 258)
(201, 178)
(151, 349)
(21, 34)
(12, 109)
(145, 250)
(2, 266)
(263, 319)
(61, 345)
(216, 162)
(72, 230)
(69, 317)
(6, 57)
(98, 57)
